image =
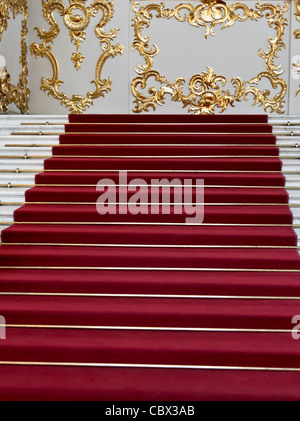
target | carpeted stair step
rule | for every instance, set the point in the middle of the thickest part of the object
(246, 349)
(149, 312)
(210, 178)
(146, 194)
(174, 282)
(164, 150)
(145, 384)
(239, 214)
(155, 235)
(166, 138)
(165, 118)
(167, 128)
(135, 257)
(172, 163)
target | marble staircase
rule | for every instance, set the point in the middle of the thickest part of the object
(22, 156)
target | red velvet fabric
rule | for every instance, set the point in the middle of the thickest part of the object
(156, 128)
(168, 118)
(151, 235)
(147, 312)
(248, 189)
(152, 282)
(212, 195)
(238, 214)
(144, 384)
(172, 163)
(142, 347)
(165, 138)
(165, 150)
(210, 178)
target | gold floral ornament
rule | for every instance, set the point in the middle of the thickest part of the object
(9, 93)
(76, 24)
(297, 65)
(4, 16)
(17, 7)
(205, 93)
(297, 35)
(205, 90)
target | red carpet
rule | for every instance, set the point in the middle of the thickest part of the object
(145, 306)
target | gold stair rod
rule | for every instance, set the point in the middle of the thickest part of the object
(172, 296)
(47, 123)
(155, 269)
(199, 246)
(148, 328)
(139, 123)
(150, 366)
(149, 204)
(147, 156)
(206, 186)
(18, 170)
(144, 224)
(151, 133)
(190, 145)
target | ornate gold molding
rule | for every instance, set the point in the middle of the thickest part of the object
(297, 65)
(297, 35)
(205, 93)
(76, 25)
(297, 14)
(9, 93)
(4, 16)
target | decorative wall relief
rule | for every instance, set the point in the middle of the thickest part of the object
(9, 93)
(205, 93)
(297, 14)
(76, 18)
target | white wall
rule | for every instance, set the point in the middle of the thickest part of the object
(184, 52)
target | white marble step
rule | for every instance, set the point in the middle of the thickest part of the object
(6, 213)
(12, 164)
(13, 194)
(31, 129)
(17, 178)
(7, 119)
(290, 165)
(292, 180)
(28, 140)
(22, 151)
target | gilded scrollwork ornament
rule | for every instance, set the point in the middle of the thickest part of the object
(4, 16)
(77, 24)
(297, 70)
(297, 14)
(205, 91)
(19, 93)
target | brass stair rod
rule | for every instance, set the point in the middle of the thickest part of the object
(155, 133)
(146, 156)
(184, 224)
(292, 205)
(9, 185)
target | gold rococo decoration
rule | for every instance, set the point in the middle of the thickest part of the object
(205, 93)
(9, 93)
(297, 14)
(297, 65)
(4, 16)
(76, 25)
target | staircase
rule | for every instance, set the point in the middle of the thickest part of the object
(146, 306)
(37, 141)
